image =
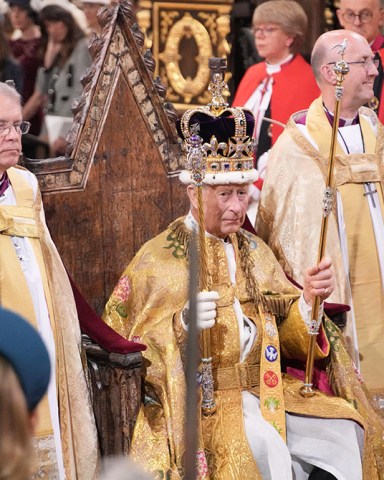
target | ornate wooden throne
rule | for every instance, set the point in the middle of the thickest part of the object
(115, 188)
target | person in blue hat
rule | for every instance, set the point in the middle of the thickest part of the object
(24, 379)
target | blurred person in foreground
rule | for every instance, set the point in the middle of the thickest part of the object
(366, 17)
(34, 283)
(262, 427)
(283, 83)
(122, 468)
(291, 204)
(24, 379)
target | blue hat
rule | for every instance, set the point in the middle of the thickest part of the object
(24, 349)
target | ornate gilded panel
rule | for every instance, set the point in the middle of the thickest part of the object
(330, 18)
(185, 36)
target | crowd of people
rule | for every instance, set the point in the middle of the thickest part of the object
(260, 424)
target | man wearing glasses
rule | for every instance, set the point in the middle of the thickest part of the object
(290, 210)
(367, 17)
(34, 284)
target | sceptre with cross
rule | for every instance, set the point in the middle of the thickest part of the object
(341, 68)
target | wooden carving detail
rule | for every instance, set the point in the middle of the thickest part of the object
(117, 186)
(115, 382)
(116, 57)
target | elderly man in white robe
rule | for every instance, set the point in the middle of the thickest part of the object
(33, 283)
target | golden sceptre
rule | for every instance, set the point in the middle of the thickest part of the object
(341, 69)
(196, 164)
(217, 105)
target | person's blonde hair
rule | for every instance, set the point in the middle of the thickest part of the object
(288, 14)
(15, 427)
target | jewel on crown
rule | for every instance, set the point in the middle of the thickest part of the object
(236, 155)
(233, 155)
(196, 157)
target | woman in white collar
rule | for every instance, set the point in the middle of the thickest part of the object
(284, 82)
(280, 85)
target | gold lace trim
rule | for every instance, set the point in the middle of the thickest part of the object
(241, 376)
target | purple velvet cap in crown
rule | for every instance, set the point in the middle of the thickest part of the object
(219, 140)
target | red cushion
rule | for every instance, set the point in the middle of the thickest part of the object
(101, 333)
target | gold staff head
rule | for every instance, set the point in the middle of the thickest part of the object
(341, 68)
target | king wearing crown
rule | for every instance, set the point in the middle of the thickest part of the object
(252, 421)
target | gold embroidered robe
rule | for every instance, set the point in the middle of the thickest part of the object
(77, 425)
(289, 220)
(146, 304)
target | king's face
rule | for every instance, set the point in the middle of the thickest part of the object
(225, 207)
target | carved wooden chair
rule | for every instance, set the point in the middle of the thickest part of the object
(113, 190)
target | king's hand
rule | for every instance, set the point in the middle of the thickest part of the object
(205, 309)
(319, 281)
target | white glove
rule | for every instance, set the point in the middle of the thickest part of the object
(205, 308)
